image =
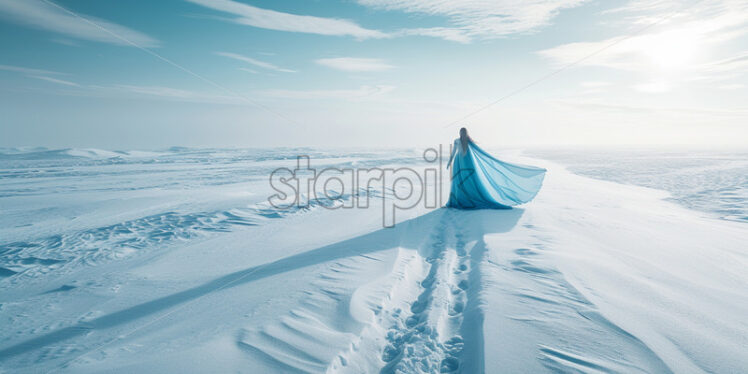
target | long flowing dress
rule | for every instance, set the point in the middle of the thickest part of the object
(481, 181)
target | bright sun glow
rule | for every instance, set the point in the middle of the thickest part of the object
(674, 49)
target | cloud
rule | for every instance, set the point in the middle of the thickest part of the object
(678, 42)
(274, 20)
(648, 54)
(594, 84)
(446, 33)
(352, 94)
(156, 92)
(731, 86)
(55, 80)
(714, 15)
(726, 68)
(123, 90)
(467, 19)
(183, 95)
(168, 93)
(30, 71)
(355, 64)
(258, 63)
(66, 41)
(42, 15)
(39, 74)
(152, 92)
(657, 86)
(178, 94)
(594, 87)
(634, 53)
(471, 19)
(617, 108)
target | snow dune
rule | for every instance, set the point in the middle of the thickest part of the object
(590, 277)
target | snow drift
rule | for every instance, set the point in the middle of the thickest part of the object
(592, 276)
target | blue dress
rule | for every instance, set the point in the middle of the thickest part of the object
(481, 181)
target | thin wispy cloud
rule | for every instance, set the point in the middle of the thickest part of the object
(168, 93)
(66, 41)
(40, 74)
(350, 94)
(159, 92)
(676, 44)
(121, 90)
(714, 15)
(638, 53)
(593, 87)
(629, 109)
(658, 86)
(355, 64)
(594, 84)
(41, 15)
(726, 68)
(255, 62)
(732, 86)
(466, 20)
(446, 33)
(27, 70)
(273, 20)
(149, 92)
(472, 19)
(55, 80)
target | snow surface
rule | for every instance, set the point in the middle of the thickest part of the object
(172, 261)
(714, 181)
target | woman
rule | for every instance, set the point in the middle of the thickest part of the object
(481, 181)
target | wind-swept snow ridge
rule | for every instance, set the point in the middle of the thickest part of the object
(28, 259)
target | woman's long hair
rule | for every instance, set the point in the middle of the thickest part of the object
(464, 139)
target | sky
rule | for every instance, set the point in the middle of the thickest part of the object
(143, 74)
